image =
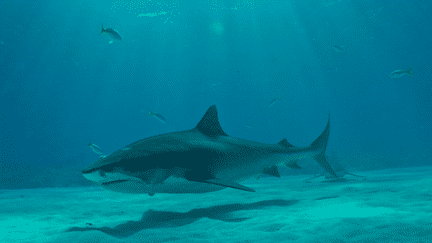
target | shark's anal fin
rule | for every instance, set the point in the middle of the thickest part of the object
(272, 170)
(293, 164)
(230, 184)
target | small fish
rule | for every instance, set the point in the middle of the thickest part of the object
(111, 33)
(157, 116)
(273, 101)
(215, 84)
(95, 148)
(338, 48)
(400, 73)
(249, 126)
(330, 69)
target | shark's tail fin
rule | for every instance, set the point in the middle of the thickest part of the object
(102, 31)
(320, 145)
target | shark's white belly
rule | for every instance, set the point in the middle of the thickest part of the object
(171, 185)
(175, 184)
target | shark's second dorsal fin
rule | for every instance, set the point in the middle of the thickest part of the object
(209, 124)
(285, 143)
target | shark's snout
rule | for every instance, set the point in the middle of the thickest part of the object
(85, 171)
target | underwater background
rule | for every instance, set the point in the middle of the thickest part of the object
(62, 85)
(274, 69)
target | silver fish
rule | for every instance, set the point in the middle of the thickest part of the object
(338, 48)
(273, 101)
(400, 73)
(111, 33)
(157, 116)
(95, 148)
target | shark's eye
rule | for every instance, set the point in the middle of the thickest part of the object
(102, 173)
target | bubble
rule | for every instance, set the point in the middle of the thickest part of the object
(218, 27)
(168, 10)
(165, 10)
(218, 6)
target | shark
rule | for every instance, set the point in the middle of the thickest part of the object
(200, 160)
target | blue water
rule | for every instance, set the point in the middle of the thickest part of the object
(63, 86)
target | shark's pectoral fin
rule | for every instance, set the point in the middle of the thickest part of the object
(315, 176)
(293, 164)
(354, 175)
(229, 184)
(272, 170)
(154, 176)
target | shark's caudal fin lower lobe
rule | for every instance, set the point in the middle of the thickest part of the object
(102, 31)
(320, 144)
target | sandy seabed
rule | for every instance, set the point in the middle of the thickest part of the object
(388, 206)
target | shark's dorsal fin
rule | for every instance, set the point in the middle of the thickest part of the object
(209, 124)
(285, 143)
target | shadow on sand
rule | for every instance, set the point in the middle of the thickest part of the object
(163, 219)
